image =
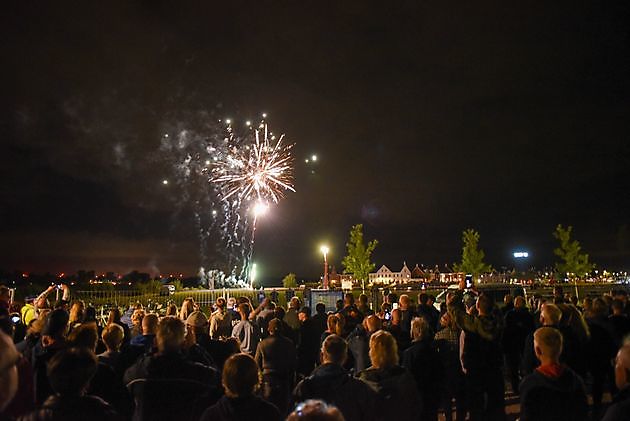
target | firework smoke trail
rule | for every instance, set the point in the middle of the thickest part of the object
(227, 176)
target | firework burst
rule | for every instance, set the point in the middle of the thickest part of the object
(262, 171)
(229, 178)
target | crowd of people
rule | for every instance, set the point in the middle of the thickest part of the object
(405, 360)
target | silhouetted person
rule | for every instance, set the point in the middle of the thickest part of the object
(331, 383)
(619, 410)
(276, 358)
(240, 380)
(553, 392)
(482, 358)
(69, 373)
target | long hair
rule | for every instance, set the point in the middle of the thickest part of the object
(383, 350)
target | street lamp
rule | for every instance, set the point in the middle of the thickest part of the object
(324, 250)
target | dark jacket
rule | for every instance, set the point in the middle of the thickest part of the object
(519, 323)
(397, 393)
(242, 409)
(619, 410)
(554, 399)
(331, 383)
(423, 362)
(73, 408)
(359, 346)
(276, 355)
(482, 340)
(169, 386)
(40, 357)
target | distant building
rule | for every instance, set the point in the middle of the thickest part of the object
(385, 276)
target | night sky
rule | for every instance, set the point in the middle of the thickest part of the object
(427, 118)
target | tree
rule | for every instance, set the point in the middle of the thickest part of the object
(358, 260)
(472, 256)
(289, 281)
(574, 263)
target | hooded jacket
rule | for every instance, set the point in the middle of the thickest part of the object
(331, 383)
(553, 398)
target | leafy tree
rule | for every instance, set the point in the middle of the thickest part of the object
(574, 263)
(178, 284)
(289, 281)
(472, 256)
(358, 260)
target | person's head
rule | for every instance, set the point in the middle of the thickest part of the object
(617, 307)
(363, 300)
(348, 299)
(315, 410)
(197, 322)
(294, 303)
(56, 324)
(85, 336)
(304, 314)
(587, 303)
(171, 310)
(231, 302)
(550, 314)
(334, 350)
(90, 314)
(70, 371)
(150, 324)
(8, 370)
(113, 336)
(240, 376)
(244, 309)
(279, 312)
(114, 316)
(77, 311)
(519, 302)
(423, 298)
(574, 300)
(383, 350)
(137, 316)
(484, 305)
(548, 345)
(622, 367)
(420, 329)
(508, 299)
(220, 303)
(446, 321)
(171, 334)
(320, 308)
(339, 305)
(274, 327)
(334, 324)
(404, 302)
(599, 308)
(372, 324)
(188, 306)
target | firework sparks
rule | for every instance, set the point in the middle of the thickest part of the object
(230, 179)
(262, 171)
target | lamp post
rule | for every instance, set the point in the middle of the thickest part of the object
(324, 250)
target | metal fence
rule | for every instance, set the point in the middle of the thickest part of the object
(204, 298)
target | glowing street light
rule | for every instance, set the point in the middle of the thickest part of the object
(324, 249)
